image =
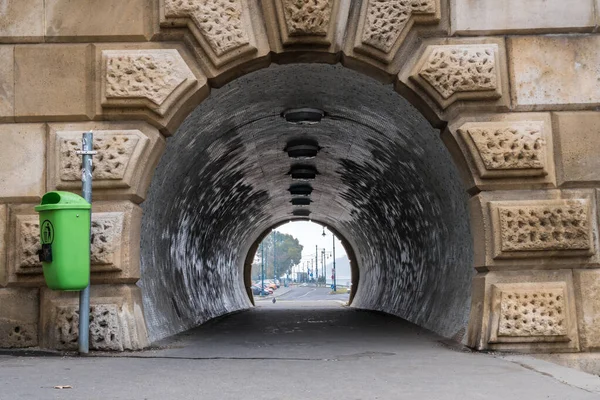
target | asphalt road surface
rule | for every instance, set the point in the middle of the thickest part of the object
(292, 350)
(307, 293)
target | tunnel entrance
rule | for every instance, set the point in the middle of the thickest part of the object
(380, 177)
(301, 254)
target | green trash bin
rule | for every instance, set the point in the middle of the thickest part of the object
(65, 238)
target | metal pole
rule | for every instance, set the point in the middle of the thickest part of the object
(262, 268)
(323, 267)
(333, 272)
(84, 295)
(317, 264)
(274, 257)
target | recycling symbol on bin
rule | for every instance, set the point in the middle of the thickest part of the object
(47, 232)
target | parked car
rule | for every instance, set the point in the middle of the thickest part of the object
(257, 291)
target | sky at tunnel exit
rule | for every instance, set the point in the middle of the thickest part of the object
(310, 235)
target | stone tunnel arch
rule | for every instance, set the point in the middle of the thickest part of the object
(515, 99)
(383, 180)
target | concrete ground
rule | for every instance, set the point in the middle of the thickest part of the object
(315, 349)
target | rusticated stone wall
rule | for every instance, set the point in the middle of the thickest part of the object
(512, 85)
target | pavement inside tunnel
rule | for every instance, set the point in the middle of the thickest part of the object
(316, 348)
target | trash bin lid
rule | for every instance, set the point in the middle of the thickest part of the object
(62, 201)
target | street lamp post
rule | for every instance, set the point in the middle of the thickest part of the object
(333, 269)
(333, 280)
(262, 268)
(317, 264)
(274, 257)
(323, 266)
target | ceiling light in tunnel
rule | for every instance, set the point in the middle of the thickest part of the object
(302, 148)
(303, 172)
(301, 213)
(301, 190)
(301, 201)
(303, 116)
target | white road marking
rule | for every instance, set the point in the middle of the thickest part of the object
(299, 297)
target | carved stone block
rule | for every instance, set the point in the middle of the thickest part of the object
(529, 313)
(106, 235)
(532, 313)
(307, 17)
(19, 312)
(114, 165)
(114, 244)
(28, 230)
(127, 155)
(116, 318)
(219, 21)
(152, 78)
(524, 311)
(303, 22)
(534, 229)
(221, 27)
(104, 327)
(384, 24)
(459, 72)
(560, 227)
(507, 149)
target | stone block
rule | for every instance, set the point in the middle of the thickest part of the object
(144, 78)
(529, 311)
(555, 72)
(308, 27)
(535, 229)
(7, 83)
(60, 89)
(159, 83)
(527, 227)
(505, 151)
(239, 39)
(116, 318)
(486, 17)
(587, 290)
(454, 75)
(3, 243)
(450, 72)
(578, 141)
(22, 21)
(19, 313)
(90, 20)
(22, 162)
(127, 156)
(115, 244)
(380, 35)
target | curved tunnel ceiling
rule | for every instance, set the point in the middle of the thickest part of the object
(382, 178)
